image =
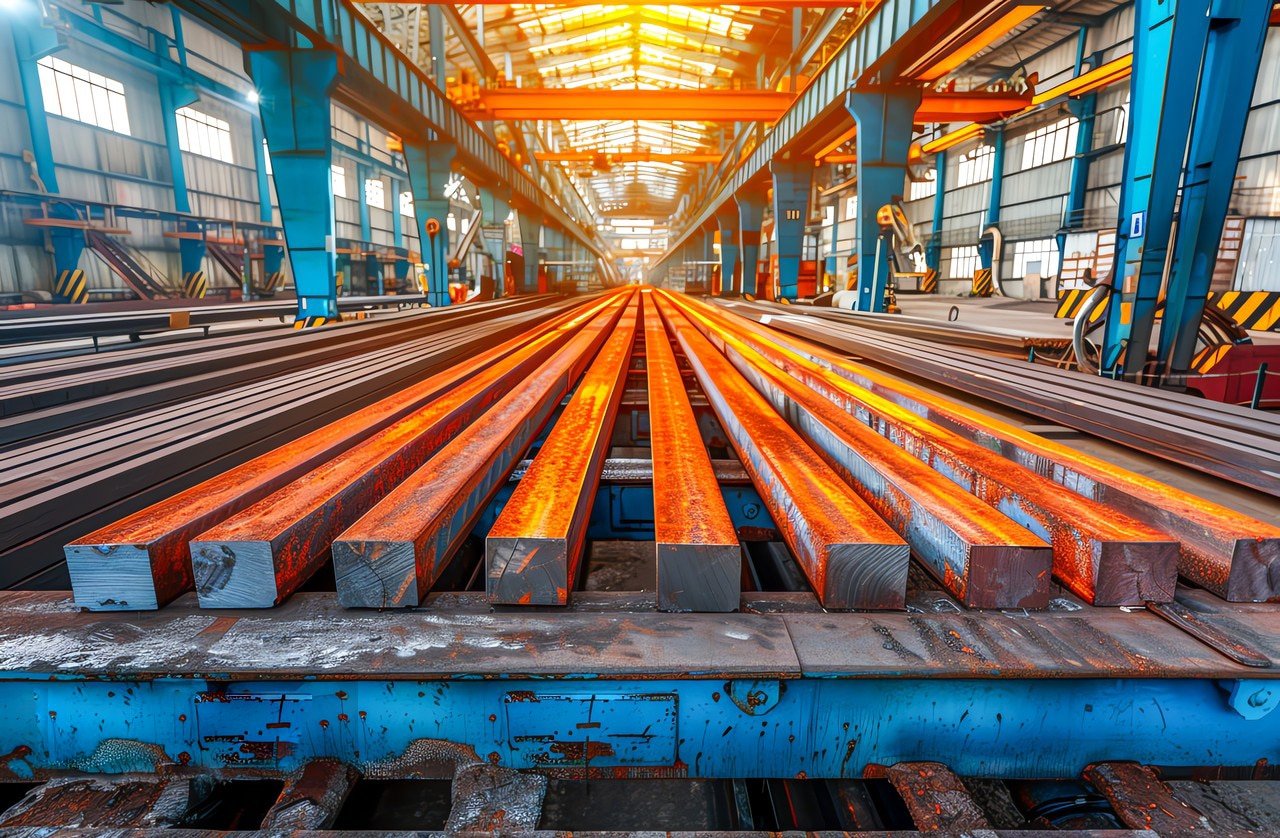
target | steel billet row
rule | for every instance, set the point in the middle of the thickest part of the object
(1230, 553)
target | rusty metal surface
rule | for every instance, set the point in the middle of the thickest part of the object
(1225, 551)
(311, 635)
(636, 471)
(490, 798)
(853, 559)
(936, 798)
(262, 554)
(980, 555)
(1253, 629)
(1101, 554)
(392, 555)
(1142, 800)
(698, 555)
(1080, 643)
(312, 797)
(534, 549)
(100, 803)
(148, 549)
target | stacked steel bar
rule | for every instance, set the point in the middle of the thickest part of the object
(852, 557)
(699, 560)
(392, 555)
(142, 560)
(534, 549)
(1232, 554)
(1227, 441)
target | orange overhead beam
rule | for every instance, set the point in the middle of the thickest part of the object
(1003, 26)
(510, 103)
(603, 160)
(755, 4)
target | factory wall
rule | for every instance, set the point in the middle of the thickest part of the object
(132, 170)
(1033, 201)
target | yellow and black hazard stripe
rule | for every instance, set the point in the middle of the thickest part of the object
(275, 279)
(310, 322)
(195, 285)
(1207, 358)
(1069, 301)
(71, 287)
(982, 284)
(1259, 310)
(929, 282)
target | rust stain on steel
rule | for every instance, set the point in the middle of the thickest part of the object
(983, 557)
(311, 797)
(1101, 555)
(851, 556)
(99, 803)
(698, 554)
(261, 555)
(936, 798)
(534, 549)
(393, 554)
(1232, 554)
(1142, 800)
(151, 544)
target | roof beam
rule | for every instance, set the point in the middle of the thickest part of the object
(679, 105)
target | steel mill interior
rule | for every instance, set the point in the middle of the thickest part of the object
(607, 418)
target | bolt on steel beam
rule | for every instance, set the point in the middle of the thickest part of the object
(534, 549)
(142, 561)
(259, 556)
(396, 551)
(851, 556)
(1103, 557)
(698, 554)
(982, 557)
(1225, 551)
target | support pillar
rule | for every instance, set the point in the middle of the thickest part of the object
(750, 200)
(1085, 110)
(430, 165)
(191, 253)
(727, 219)
(884, 118)
(373, 274)
(295, 108)
(495, 207)
(530, 235)
(933, 252)
(31, 42)
(986, 246)
(265, 213)
(173, 97)
(792, 183)
(1169, 39)
(1233, 54)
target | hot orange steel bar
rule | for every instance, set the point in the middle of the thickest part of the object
(534, 549)
(392, 555)
(853, 559)
(258, 557)
(699, 557)
(983, 557)
(142, 560)
(1102, 554)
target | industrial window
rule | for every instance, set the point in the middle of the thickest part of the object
(926, 188)
(1122, 121)
(963, 261)
(205, 135)
(375, 195)
(1035, 257)
(338, 176)
(1050, 143)
(76, 93)
(851, 208)
(976, 165)
(406, 204)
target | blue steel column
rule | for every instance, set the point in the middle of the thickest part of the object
(430, 165)
(31, 42)
(495, 206)
(986, 247)
(792, 182)
(933, 253)
(530, 221)
(295, 110)
(1169, 37)
(1233, 54)
(173, 97)
(884, 117)
(260, 172)
(750, 201)
(727, 218)
(1085, 110)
